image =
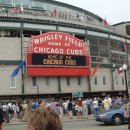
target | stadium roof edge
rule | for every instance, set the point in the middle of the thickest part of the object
(72, 6)
(121, 23)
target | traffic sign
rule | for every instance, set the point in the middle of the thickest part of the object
(77, 94)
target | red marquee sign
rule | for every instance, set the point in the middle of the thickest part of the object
(57, 54)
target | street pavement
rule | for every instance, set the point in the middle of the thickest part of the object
(64, 119)
(70, 124)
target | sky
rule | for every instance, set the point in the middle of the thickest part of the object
(115, 11)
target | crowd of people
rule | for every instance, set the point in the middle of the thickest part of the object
(81, 106)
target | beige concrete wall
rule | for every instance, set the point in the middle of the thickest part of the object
(54, 85)
(43, 89)
(10, 48)
(100, 87)
(108, 87)
(5, 81)
(120, 29)
(119, 86)
(6, 71)
(73, 87)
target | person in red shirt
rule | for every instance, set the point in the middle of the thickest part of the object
(79, 112)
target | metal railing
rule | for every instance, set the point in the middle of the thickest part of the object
(47, 16)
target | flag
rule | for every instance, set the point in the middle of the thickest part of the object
(123, 45)
(16, 71)
(94, 71)
(54, 12)
(105, 22)
(14, 10)
(21, 8)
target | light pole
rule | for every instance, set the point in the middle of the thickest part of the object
(124, 68)
(113, 69)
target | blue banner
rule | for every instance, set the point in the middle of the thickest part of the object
(16, 71)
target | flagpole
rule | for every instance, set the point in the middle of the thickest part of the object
(89, 78)
(21, 32)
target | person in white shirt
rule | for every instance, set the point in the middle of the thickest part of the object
(106, 104)
(109, 99)
(84, 108)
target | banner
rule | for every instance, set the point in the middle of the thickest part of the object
(57, 54)
(16, 71)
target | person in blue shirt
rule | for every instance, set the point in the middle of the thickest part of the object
(34, 104)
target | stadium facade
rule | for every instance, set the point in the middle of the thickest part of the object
(22, 20)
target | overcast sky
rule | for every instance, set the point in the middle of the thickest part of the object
(115, 11)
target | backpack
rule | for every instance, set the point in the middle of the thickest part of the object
(20, 107)
(1, 116)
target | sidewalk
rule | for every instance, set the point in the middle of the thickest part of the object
(65, 119)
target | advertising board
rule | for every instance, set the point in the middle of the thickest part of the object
(57, 54)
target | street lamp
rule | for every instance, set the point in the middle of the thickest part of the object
(113, 69)
(124, 68)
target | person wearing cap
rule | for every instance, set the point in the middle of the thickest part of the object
(25, 110)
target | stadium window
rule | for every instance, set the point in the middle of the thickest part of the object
(94, 46)
(128, 30)
(104, 80)
(115, 58)
(10, 33)
(103, 47)
(14, 33)
(68, 81)
(1, 33)
(95, 80)
(47, 81)
(79, 81)
(28, 33)
(123, 81)
(103, 42)
(128, 48)
(117, 80)
(12, 82)
(95, 59)
(80, 37)
(114, 45)
(93, 40)
(34, 84)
